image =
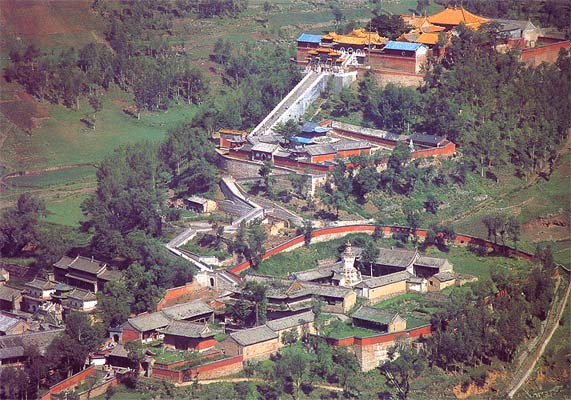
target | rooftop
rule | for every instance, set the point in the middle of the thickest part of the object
(7, 322)
(320, 149)
(432, 140)
(392, 257)
(88, 265)
(8, 293)
(344, 145)
(426, 261)
(403, 46)
(291, 321)
(375, 315)
(385, 280)
(265, 147)
(309, 38)
(188, 329)
(83, 295)
(187, 310)
(149, 322)
(445, 276)
(252, 336)
(456, 16)
(40, 340)
(41, 284)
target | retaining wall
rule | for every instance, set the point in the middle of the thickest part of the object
(546, 53)
(211, 370)
(175, 293)
(69, 383)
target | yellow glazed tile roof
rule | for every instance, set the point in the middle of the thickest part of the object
(455, 16)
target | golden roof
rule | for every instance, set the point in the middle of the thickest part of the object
(427, 38)
(455, 16)
(357, 37)
(231, 132)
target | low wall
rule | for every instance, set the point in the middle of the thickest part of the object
(215, 369)
(546, 53)
(175, 293)
(447, 150)
(98, 390)
(69, 383)
(330, 233)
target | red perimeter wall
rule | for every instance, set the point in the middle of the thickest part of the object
(548, 53)
(461, 240)
(175, 293)
(69, 383)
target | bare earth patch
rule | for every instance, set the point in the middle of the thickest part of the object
(553, 228)
(474, 390)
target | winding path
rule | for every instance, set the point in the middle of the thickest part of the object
(527, 366)
(235, 380)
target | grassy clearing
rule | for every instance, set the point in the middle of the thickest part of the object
(53, 178)
(63, 139)
(66, 211)
(341, 330)
(303, 258)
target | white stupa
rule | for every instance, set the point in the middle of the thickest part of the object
(351, 275)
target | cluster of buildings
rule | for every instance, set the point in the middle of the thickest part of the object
(321, 146)
(409, 52)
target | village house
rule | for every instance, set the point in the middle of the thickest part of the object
(144, 328)
(147, 327)
(184, 335)
(200, 204)
(379, 320)
(10, 298)
(11, 324)
(13, 347)
(299, 323)
(37, 293)
(81, 300)
(252, 344)
(382, 287)
(84, 273)
(441, 280)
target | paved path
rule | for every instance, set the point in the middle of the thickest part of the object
(528, 365)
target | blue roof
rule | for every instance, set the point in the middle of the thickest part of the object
(313, 127)
(403, 46)
(309, 38)
(303, 140)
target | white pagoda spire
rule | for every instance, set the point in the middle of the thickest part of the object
(351, 275)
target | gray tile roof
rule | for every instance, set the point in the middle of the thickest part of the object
(328, 290)
(83, 295)
(320, 149)
(314, 274)
(265, 147)
(119, 351)
(392, 257)
(425, 261)
(374, 315)
(41, 284)
(40, 340)
(149, 322)
(188, 329)
(431, 140)
(279, 288)
(187, 310)
(63, 262)
(291, 321)
(110, 275)
(445, 276)
(385, 280)
(7, 293)
(84, 264)
(7, 322)
(252, 336)
(350, 145)
(375, 133)
(12, 352)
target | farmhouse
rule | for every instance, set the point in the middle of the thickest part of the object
(37, 293)
(440, 281)
(253, 344)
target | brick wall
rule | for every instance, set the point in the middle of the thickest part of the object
(98, 390)
(166, 374)
(447, 150)
(130, 335)
(227, 366)
(260, 351)
(69, 383)
(547, 53)
(171, 295)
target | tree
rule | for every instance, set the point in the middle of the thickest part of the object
(366, 181)
(431, 203)
(96, 104)
(299, 183)
(290, 337)
(391, 26)
(255, 293)
(265, 172)
(293, 366)
(115, 303)
(307, 231)
(404, 364)
(256, 238)
(287, 130)
(369, 255)
(19, 226)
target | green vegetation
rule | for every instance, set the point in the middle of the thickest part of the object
(304, 258)
(340, 330)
